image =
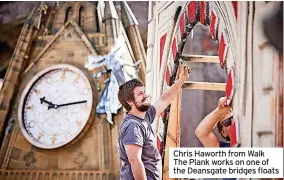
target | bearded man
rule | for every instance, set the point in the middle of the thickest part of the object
(137, 144)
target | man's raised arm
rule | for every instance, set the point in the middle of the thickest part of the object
(169, 95)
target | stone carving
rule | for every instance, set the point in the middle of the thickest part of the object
(80, 160)
(29, 159)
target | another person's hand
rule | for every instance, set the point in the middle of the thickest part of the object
(222, 102)
(224, 111)
(183, 71)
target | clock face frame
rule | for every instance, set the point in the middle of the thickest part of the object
(55, 106)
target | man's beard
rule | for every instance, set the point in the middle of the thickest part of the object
(143, 107)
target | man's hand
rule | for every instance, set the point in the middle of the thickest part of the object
(183, 71)
(166, 98)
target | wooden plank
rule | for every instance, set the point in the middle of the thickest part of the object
(173, 133)
(204, 86)
(200, 58)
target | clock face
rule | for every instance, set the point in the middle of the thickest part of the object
(55, 106)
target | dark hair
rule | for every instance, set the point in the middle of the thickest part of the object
(220, 128)
(126, 94)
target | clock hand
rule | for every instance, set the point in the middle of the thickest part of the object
(50, 104)
(67, 104)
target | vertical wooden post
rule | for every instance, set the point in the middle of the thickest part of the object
(173, 133)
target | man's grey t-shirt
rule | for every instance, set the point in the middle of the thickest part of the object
(135, 130)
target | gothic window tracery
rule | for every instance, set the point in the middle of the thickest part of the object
(81, 16)
(69, 14)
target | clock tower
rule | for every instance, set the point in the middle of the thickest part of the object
(49, 100)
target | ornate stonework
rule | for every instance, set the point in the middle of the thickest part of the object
(66, 33)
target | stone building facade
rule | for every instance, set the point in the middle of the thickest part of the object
(61, 37)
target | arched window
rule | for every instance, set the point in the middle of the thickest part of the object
(68, 15)
(81, 16)
(97, 21)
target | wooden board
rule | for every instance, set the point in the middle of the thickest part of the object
(204, 86)
(200, 58)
